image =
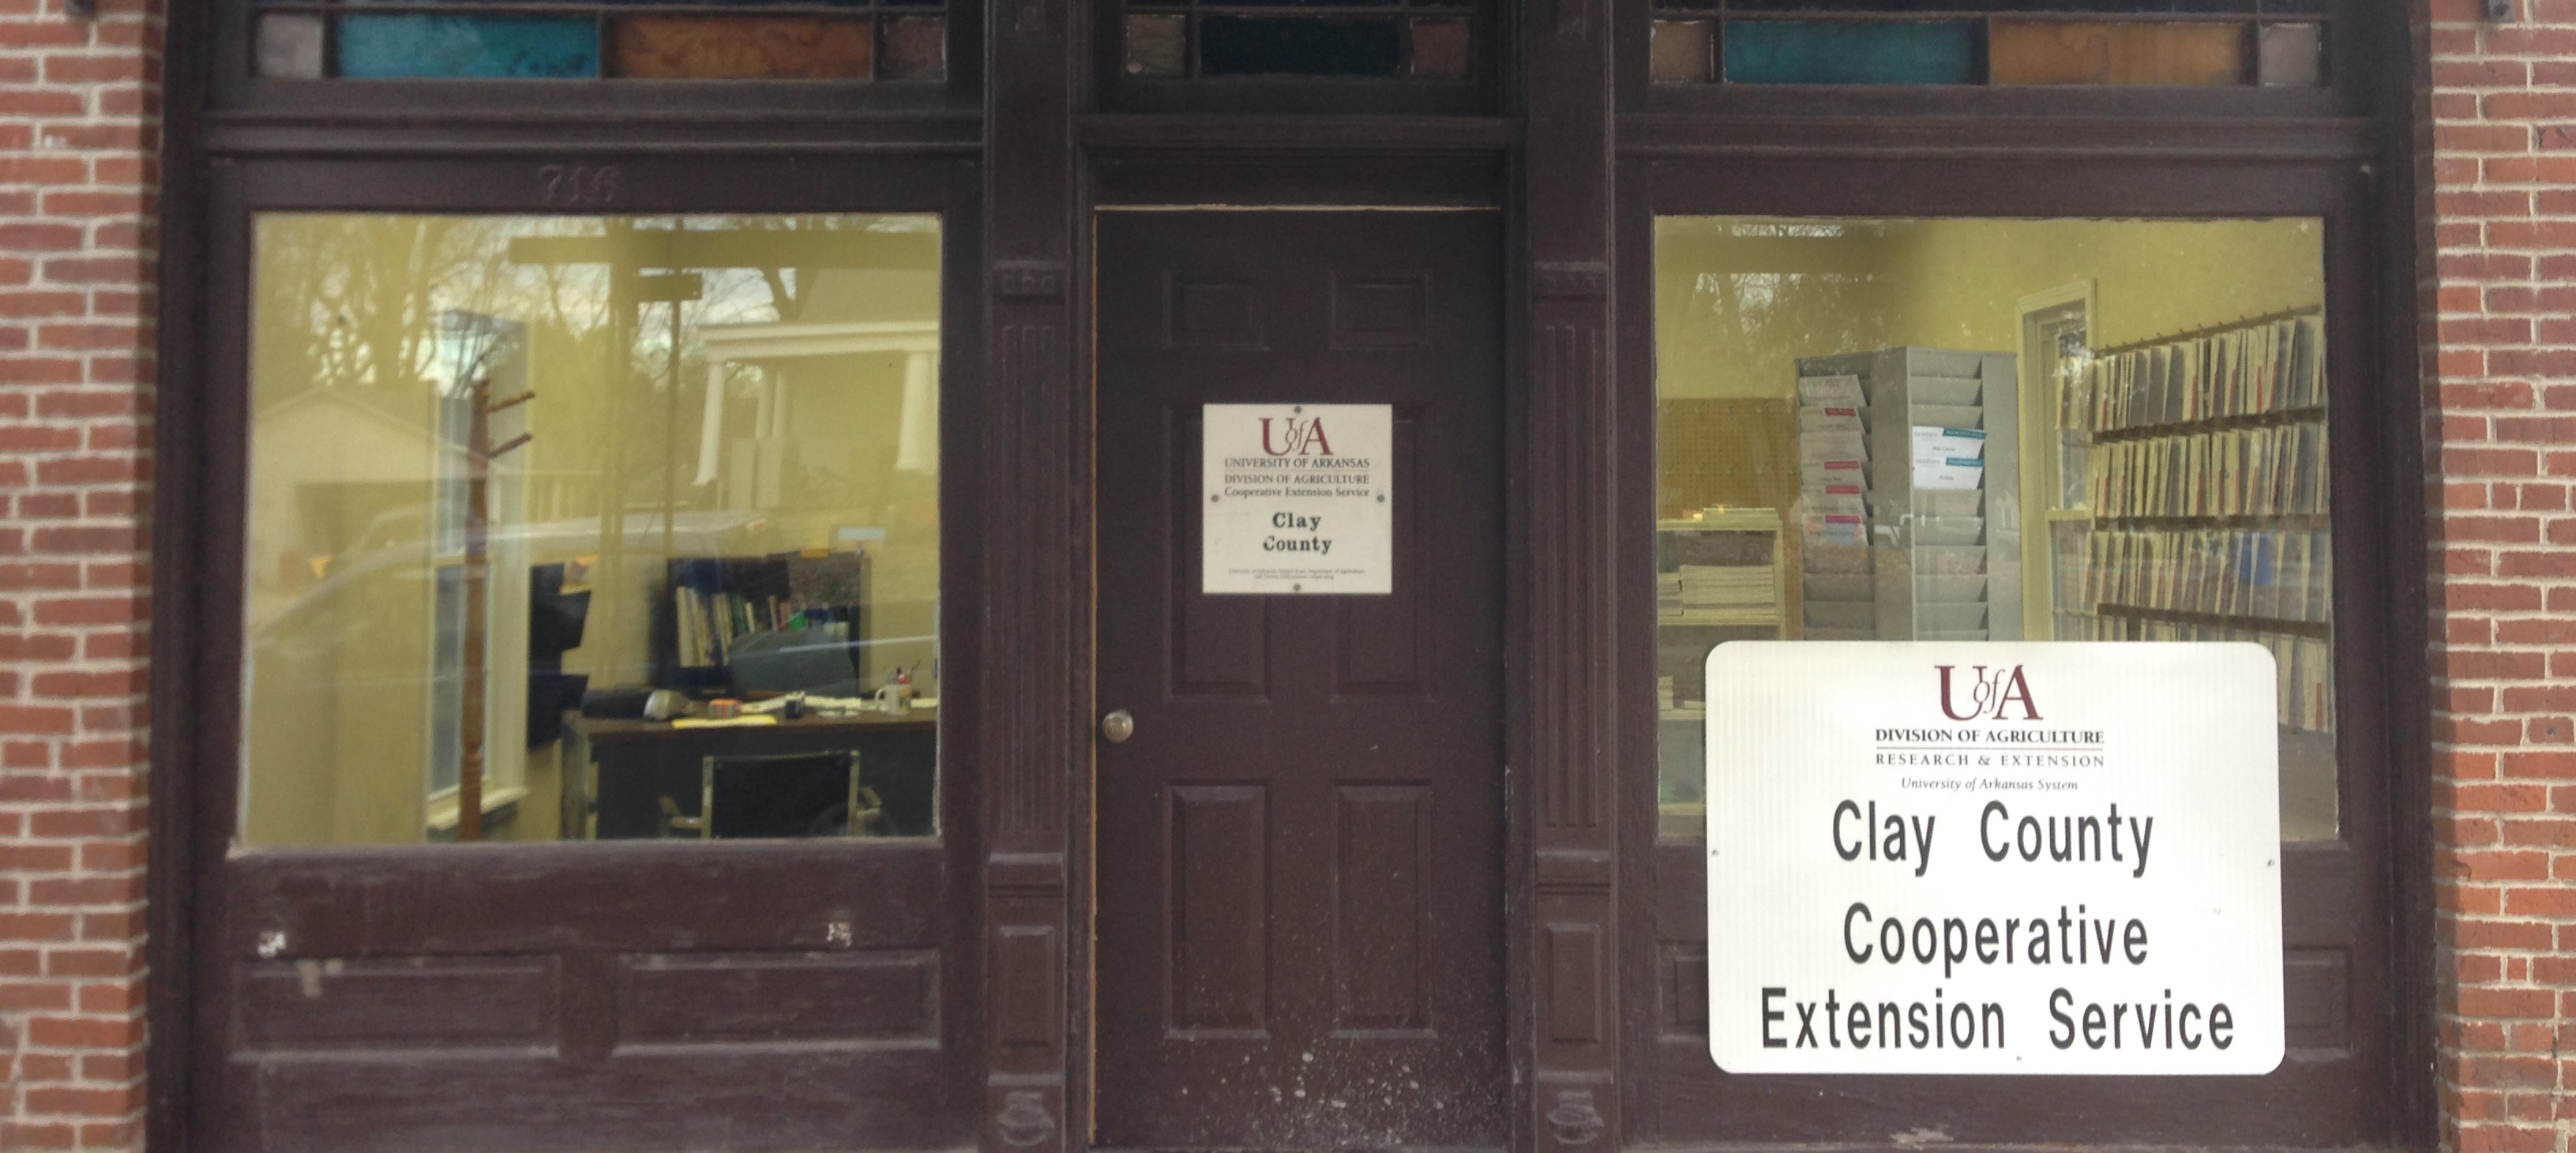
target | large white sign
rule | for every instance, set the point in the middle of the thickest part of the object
(1299, 499)
(1993, 858)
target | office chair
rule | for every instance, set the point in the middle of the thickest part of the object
(778, 795)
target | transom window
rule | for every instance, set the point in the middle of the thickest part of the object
(2187, 43)
(840, 40)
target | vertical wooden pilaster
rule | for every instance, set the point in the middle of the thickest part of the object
(1571, 929)
(1032, 739)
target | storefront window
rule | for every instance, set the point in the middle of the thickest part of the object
(1974, 430)
(592, 528)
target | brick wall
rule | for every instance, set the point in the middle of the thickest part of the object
(79, 114)
(2502, 384)
(78, 124)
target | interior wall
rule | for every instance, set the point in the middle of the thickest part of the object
(1738, 300)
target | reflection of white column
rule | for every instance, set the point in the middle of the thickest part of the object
(711, 427)
(917, 446)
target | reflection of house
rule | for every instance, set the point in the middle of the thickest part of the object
(329, 462)
(902, 321)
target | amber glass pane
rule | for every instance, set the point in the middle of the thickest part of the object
(2036, 52)
(1158, 45)
(742, 47)
(1972, 430)
(916, 48)
(1684, 51)
(509, 474)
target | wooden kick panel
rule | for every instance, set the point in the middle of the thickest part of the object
(710, 998)
(1382, 903)
(413, 1002)
(1220, 908)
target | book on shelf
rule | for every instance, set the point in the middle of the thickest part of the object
(2272, 574)
(714, 603)
(2263, 368)
(2303, 665)
(2270, 471)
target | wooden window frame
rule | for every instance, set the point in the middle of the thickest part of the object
(211, 903)
(1676, 1094)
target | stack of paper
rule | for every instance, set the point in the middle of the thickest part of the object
(1834, 499)
(1724, 587)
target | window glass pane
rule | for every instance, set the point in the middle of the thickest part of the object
(1994, 430)
(510, 475)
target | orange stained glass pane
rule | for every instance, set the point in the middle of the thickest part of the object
(2180, 53)
(742, 48)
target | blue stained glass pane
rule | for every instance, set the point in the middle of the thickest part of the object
(1872, 52)
(1298, 46)
(514, 47)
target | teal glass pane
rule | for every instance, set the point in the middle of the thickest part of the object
(512, 47)
(1864, 52)
(1859, 52)
(1298, 46)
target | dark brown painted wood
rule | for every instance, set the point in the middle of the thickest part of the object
(1301, 900)
(1565, 504)
(1035, 670)
(2335, 1089)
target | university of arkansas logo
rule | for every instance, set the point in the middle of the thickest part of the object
(1989, 694)
(1295, 436)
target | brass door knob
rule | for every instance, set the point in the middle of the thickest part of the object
(1117, 726)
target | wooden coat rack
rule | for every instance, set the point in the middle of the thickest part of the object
(479, 454)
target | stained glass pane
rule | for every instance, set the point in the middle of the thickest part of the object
(485, 47)
(290, 45)
(743, 47)
(2292, 55)
(1158, 45)
(1439, 48)
(1684, 51)
(1874, 52)
(2056, 52)
(1292, 46)
(916, 48)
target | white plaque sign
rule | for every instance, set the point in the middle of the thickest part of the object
(1298, 499)
(1993, 858)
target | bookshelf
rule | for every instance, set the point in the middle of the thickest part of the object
(713, 603)
(1720, 575)
(2205, 509)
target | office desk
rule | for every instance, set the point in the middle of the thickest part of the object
(615, 771)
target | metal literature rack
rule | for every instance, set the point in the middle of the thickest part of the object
(1917, 536)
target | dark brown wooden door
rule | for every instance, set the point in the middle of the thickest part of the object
(1301, 848)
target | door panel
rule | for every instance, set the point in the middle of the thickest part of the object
(1300, 863)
